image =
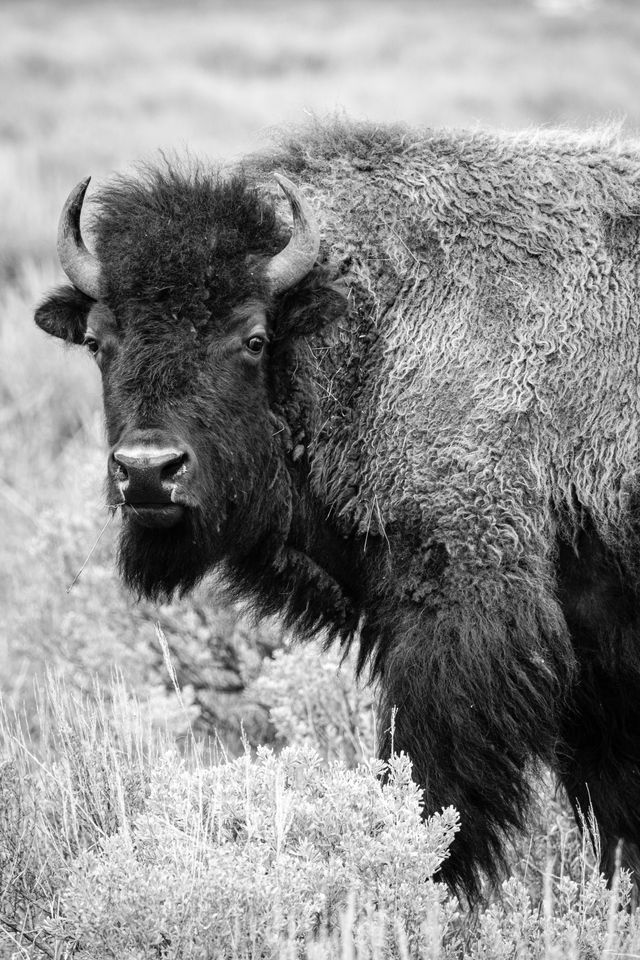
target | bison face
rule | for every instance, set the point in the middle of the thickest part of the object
(177, 309)
(187, 414)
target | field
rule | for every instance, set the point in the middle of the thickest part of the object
(89, 89)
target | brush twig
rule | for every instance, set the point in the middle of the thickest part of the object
(23, 934)
(95, 544)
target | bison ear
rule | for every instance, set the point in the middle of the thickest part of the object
(64, 314)
(316, 302)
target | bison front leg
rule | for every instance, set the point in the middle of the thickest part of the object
(471, 693)
(599, 752)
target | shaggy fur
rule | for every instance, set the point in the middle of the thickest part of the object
(439, 458)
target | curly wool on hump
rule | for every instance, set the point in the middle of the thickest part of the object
(483, 271)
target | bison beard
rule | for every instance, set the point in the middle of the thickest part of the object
(158, 563)
(455, 442)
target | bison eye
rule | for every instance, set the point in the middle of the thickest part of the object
(91, 343)
(255, 345)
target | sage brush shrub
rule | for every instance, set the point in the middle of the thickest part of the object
(581, 921)
(314, 699)
(216, 654)
(113, 844)
(238, 859)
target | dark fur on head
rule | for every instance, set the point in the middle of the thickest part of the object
(180, 242)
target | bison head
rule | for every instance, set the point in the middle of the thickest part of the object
(185, 307)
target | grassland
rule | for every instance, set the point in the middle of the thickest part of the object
(90, 88)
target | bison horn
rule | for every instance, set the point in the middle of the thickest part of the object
(298, 257)
(81, 267)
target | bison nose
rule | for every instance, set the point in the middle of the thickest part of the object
(148, 475)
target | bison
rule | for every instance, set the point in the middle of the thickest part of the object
(411, 423)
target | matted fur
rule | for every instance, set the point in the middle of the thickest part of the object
(465, 505)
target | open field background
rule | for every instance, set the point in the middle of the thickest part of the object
(90, 88)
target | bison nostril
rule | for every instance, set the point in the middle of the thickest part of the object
(120, 472)
(117, 469)
(176, 467)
